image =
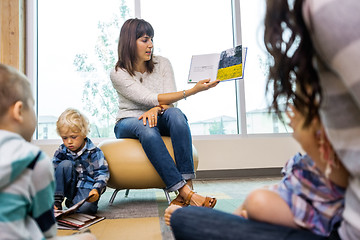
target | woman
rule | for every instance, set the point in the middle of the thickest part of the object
(146, 89)
(313, 43)
(326, 59)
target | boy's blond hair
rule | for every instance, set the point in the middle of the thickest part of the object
(14, 87)
(74, 120)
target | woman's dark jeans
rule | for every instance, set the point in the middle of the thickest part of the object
(172, 123)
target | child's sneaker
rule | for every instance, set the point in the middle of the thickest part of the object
(58, 202)
(57, 205)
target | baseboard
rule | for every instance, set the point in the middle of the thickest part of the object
(237, 173)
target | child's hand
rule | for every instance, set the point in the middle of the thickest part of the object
(95, 196)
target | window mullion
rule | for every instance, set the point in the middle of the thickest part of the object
(137, 5)
(239, 85)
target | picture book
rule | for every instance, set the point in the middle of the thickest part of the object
(70, 219)
(224, 66)
(78, 221)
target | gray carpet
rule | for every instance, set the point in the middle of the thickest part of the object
(146, 203)
(139, 204)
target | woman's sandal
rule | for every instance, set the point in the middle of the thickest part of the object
(209, 202)
(178, 202)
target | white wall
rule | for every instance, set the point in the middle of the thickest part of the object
(245, 152)
(228, 152)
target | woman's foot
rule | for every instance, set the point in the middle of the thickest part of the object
(190, 184)
(179, 201)
(194, 199)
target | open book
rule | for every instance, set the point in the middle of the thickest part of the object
(70, 219)
(224, 66)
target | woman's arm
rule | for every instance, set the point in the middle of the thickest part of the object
(169, 98)
(171, 95)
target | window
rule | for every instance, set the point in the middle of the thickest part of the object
(258, 120)
(77, 47)
(182, 30)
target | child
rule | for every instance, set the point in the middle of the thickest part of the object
(26, 174)
(80, 167)
(310, 195)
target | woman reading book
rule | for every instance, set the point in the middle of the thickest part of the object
(147, 110)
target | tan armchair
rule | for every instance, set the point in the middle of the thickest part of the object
(131, 169)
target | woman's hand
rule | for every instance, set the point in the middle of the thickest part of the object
(151, 116)
(205, 85)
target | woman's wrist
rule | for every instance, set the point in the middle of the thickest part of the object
(188, 92)
(184, 94)
(161, 109)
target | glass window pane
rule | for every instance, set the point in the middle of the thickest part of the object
(258, 119)
(185, 28)
(77, 45)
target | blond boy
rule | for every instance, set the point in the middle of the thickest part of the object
(80, 167)
(26, 173)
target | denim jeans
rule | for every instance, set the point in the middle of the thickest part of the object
(172, 123)
(198, 223)
(66, 180)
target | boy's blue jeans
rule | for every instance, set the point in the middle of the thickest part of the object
(66, 180)
(198, 223)
(172, 123)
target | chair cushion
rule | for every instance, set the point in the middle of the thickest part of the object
(129, 166)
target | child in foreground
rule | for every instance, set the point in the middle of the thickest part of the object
(80, 167)
(26, 173)
(311, 193)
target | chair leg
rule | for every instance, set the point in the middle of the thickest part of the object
(127, 192)
(113, 196)
(167, 196)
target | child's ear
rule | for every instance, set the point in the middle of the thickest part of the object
(17, 111)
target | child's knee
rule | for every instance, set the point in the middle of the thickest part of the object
(256, 201)
(89, 208)
(65, 164)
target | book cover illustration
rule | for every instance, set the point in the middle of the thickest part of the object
(230, 64)
(224, 66)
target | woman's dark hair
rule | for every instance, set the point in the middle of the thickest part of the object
(131, 30)
(292, 74)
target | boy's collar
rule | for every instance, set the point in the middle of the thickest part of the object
(88, 146)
